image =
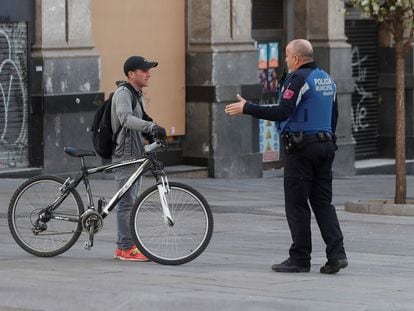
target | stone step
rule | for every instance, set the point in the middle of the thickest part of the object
(380, 166)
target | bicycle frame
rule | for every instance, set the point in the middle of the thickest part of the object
(145, 165)
(91, 219)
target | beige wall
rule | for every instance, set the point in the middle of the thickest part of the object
(156, 30)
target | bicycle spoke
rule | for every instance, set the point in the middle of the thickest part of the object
(186, 238)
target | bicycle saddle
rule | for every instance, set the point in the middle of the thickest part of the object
(76, 152)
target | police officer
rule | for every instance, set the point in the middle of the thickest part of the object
(307, 116)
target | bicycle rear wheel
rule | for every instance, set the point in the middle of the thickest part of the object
(60, 228)
(173, 244)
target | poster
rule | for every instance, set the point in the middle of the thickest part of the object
(269, 141)
(268, 62)
(263, 54)
(273, 54)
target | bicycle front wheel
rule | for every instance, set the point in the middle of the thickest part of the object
(177, 243)
(42, 233)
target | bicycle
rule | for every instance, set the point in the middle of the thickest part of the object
(171, 223)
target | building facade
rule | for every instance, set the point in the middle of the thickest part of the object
(60, 59)
(222, 40)
(16, 37)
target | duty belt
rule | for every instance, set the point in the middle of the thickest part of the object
(298, 140)
(317, 137)
(301, 137)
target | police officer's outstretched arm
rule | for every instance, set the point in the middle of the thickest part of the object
(236, 108)
(272, 113)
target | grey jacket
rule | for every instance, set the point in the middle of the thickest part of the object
(130, 142)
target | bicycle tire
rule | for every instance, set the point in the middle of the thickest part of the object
(177, 244)
(25, 204)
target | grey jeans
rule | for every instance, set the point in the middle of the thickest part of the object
(124, 208)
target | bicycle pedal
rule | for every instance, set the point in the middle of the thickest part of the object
(87, 245)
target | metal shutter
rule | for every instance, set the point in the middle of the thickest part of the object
(13, 95)
(267, 14)
(362, 35)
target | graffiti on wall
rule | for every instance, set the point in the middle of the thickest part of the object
(359, 112)
(13, 95)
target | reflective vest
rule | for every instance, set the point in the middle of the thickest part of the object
(314, 106)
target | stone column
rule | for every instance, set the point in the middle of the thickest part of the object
(221, 61)
(323, 24)
(65, 67)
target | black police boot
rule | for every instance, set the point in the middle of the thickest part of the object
(289, 266)
(332, 266)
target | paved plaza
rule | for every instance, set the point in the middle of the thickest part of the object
(234, 272)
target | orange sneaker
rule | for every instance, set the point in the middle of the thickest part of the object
(132, 254)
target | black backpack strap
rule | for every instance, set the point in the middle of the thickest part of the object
(134, 99)
(123, 83)
(134, 94)
(137, 97)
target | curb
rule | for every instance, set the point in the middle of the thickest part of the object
(20, 172)
(381, 207)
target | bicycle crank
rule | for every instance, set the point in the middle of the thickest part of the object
(92, 219)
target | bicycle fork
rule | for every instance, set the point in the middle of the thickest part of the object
(163, 190)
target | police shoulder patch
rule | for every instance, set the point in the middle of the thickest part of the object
(288, 94)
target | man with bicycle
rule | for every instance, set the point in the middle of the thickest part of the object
(128, 112)
(307, 115)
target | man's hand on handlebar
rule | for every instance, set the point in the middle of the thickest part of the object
(157, 145)
(158, 132)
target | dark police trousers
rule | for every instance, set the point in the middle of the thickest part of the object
(308, 176)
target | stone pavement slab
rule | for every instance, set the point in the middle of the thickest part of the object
(233, 273)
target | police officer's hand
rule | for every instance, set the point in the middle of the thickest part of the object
(158, 132)
(236, 108)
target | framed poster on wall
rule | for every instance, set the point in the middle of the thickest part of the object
(268, 62)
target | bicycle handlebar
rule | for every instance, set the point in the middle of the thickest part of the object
(157, 145)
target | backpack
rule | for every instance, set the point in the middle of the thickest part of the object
(103, 139)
